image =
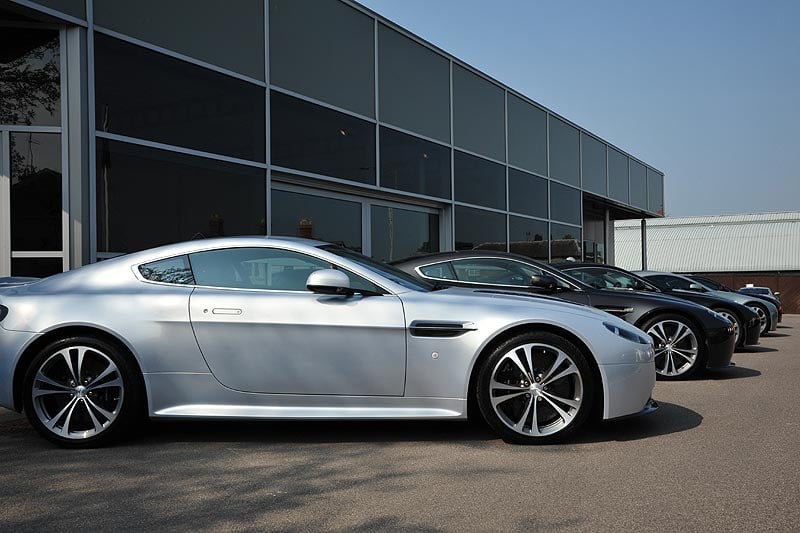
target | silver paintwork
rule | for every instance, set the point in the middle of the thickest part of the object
(296, 354)
(677, 344)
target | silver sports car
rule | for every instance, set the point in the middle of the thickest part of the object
(274, 328)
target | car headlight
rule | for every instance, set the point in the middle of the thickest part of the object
(627, 334)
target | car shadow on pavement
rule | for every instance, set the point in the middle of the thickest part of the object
(755, 349)
(736, 372)
(773, 335)
(670, 418)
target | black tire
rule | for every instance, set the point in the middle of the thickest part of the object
(734, 316)
(569, 387)
(122, 403)
(661, 360)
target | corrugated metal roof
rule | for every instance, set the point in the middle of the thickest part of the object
(722, 243)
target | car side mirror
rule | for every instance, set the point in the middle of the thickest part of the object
(329, 281)
(696, 287)
(543, 281)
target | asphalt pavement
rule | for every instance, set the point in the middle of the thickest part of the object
(720, 454)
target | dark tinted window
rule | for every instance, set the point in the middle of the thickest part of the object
(255, 268)
(527, 136)
(565, 203)
(325, 50)
(39, 267)
(617, 175)
(148, 197)
(229, 35)
(564, 162)
(414, 86)
(478, 229)
(655, 192)
(400, 233)
(593, 164)
(565, 242)
(669, 282)
(479, 182)
(36, 191)
(495, 271)
(438, 271)
(316, 139)
(173, 270)
(528, 237)
(316, 217)
(527, 194)
(411, 164)
(638, 185)
(30, 78)
(144, 94)
(478, 114)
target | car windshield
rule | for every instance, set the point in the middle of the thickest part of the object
(606, 278)
(756, 290)
(389, 272)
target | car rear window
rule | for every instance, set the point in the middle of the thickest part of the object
(173, 270)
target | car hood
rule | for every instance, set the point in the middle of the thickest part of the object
(647, 296)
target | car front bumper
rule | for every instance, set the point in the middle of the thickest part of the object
(720, 344)
(752, 332)
(627, 388)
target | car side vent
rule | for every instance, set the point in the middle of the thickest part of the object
(420, 328)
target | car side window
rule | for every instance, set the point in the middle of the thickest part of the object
(494, 271)
(438, 271)
(173, 270)
(670, 282)
(262, 268)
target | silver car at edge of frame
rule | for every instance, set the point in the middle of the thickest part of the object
(282, 328)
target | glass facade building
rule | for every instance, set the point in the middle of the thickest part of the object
(126, 125)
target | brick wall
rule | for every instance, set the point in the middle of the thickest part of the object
(787, 283)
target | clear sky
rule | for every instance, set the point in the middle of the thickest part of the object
(706, 91)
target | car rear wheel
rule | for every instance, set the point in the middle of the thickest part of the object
(81, 392)
(737, 326)
(535, 388)
(677, 346)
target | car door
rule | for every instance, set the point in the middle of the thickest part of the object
(260, 329)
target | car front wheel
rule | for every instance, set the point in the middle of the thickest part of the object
(535, 388)
(81, 392)
(677, 346)
(737, 325)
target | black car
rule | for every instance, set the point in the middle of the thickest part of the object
(686, 337)
(746, 322)
(717, 286)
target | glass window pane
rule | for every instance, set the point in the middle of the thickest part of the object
(324, 50)
(400, 233)
(36, 191)
(438, 271)
(478, 111)
(494, 271)
(144, 94)
(527, 136)
(477, 229)
(593, 164)
(315, 217)
(173, 270)
(565, 203)
(638, 185)
(412, 164)
(316, 139)
(565, 242)
(76, 8)
(617, 175)
(479, 182)
(229, 35)
(255, 268)
(414, 86)
(528, 237)
(527, 194)
(564, 164)
(30, 77)
(148, 197)
(655, 192)
(36, 267)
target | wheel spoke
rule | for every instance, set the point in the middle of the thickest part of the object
(521, 422)
(563, 414)
(678, 338)
(494, 384)
(655, 333)
(535, 420)
(689, 355)
(44, 379)
(53, 421)
(559, 359)
(98, 427)
(109, 370)
(566, 401)
(660, 327)
(65, 428)
(81, 353)
(497, 400)
(44, 392)
(571, 369)
(116, 382)
(515, 359)
(68, 360)
(108, 414)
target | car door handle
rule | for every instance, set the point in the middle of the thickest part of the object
(226, 311)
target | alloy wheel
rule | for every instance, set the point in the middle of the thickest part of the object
(762, 316)
(676, 347)
(732, 319)
(536, 389)
(77, 392)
